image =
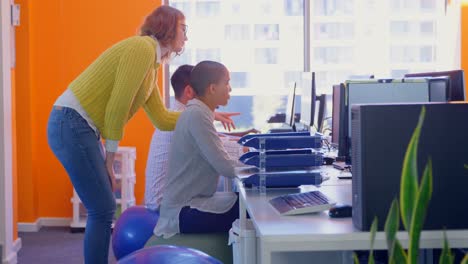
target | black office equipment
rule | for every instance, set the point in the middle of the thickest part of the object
(381, 134)
(384, 91)
(320, 106)
(308, 100)
(290, 107)
(339, 120)
(340, 211)
(456, 86)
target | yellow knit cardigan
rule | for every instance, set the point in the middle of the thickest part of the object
(118, 83)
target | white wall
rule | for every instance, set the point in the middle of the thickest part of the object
(6, 213)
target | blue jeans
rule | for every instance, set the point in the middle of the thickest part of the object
(78, 148)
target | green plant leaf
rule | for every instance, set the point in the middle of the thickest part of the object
(391, 227)
(355, 258)
(373, 231)
(466, 166)
(399, 254)
(409, 175)
(422, 201)
(465, 260)
(446, 256)
(396, 253)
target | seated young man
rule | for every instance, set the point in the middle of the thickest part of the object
(197, 158)
(157, 161)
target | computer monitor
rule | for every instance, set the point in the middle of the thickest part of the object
(320, 106)
(336, 103)
(340, 120)
(290, 107)
(456, 85)
(308, 100)
(382, 91)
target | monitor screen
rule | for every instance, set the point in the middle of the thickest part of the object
(308, 98)
(290, 107)
(456, 86)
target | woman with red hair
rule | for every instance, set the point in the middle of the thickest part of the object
(99, 103)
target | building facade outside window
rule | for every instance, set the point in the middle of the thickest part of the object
(262, 44)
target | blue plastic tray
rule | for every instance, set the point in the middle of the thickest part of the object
(251, 154)
(285, 142)
(286, 179)
(287, 160)
(287, 134)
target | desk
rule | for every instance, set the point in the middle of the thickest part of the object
(318, 232)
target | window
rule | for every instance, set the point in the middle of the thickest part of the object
(267, 32)
(239, 79)
(382, 38)
(207, 8)
(262, 44)
(237, 32)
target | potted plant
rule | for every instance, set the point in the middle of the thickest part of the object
(413, 203)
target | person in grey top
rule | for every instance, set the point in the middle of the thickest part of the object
(197, 158)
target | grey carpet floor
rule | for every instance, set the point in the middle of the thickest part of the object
(53, 245)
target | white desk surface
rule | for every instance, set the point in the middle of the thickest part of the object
(319, 232)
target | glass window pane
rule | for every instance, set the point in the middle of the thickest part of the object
(239, 79)
(184, 58)
(245, 36)
(266, 56)
(425, 54)
(293, 7)
(427, 28)
(208, 54)
(266, 32)
(237, 32)
(207, 8)
(185, 7)
(332, 7)
(331, 31)
(428, 5)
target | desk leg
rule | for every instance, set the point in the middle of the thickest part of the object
(242, 215)
(263, 253)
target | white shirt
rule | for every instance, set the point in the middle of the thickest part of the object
(158, 161)
(196, 160)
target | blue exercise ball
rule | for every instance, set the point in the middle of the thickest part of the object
(132, 229)
(165, 254)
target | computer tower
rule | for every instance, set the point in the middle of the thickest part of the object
(381, 133)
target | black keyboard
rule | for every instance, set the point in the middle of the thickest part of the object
(302, 203)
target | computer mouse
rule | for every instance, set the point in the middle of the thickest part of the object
(341, 211)
(328, 160)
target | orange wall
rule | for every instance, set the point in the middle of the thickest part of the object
(15, 160)
(55, 42)
(27, 201)
(464, 41)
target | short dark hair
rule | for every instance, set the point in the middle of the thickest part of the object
(180, 79)
(204, 74)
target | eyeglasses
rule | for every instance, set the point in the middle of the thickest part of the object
(184, 28)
